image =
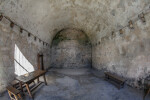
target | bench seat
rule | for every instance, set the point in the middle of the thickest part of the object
(116, 80)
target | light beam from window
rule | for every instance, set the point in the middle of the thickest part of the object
(22, 65)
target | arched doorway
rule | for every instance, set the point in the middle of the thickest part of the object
(71, 48)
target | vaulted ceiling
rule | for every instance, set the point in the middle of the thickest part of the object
(97, 18)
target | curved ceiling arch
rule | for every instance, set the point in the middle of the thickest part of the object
(83, 19)
(75, 29)
(96, 17)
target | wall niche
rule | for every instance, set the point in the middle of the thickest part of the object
(71, 48)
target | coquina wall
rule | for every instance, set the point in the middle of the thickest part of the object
(27, 45)
(126, 54)
(71, 48)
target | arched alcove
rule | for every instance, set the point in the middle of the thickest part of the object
(71, 48)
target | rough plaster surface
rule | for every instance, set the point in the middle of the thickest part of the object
(81, 87)
(96, 17)
(127, 54)
(30, 48)
(71, 48)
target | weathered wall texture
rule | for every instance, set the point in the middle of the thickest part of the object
(126, 54)
(8, 38)
(96, 17)
(71, 48)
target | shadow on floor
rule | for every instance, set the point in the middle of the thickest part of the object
(81, 84)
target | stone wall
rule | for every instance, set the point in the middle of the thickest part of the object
(126, 54)
(30, 48)
(96, 17)
(71, 48)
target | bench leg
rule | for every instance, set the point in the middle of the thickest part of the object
(145, 94)
(34, 82)
(20, 84)
(38, 80)
(28, 89)
(45, 79)
(106, 77)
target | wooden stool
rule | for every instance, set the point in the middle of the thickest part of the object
(15, 84)
(14, 93)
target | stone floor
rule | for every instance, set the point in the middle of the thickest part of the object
(80, 84)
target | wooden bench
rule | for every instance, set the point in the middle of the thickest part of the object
(15, 84)
(14, 93)
(116, 80)
(146, 90)
(27, 80)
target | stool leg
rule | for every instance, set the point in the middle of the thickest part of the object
(20, 96)
(16, 97)
(10, 95)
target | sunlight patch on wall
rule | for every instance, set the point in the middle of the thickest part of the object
(22, 65)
